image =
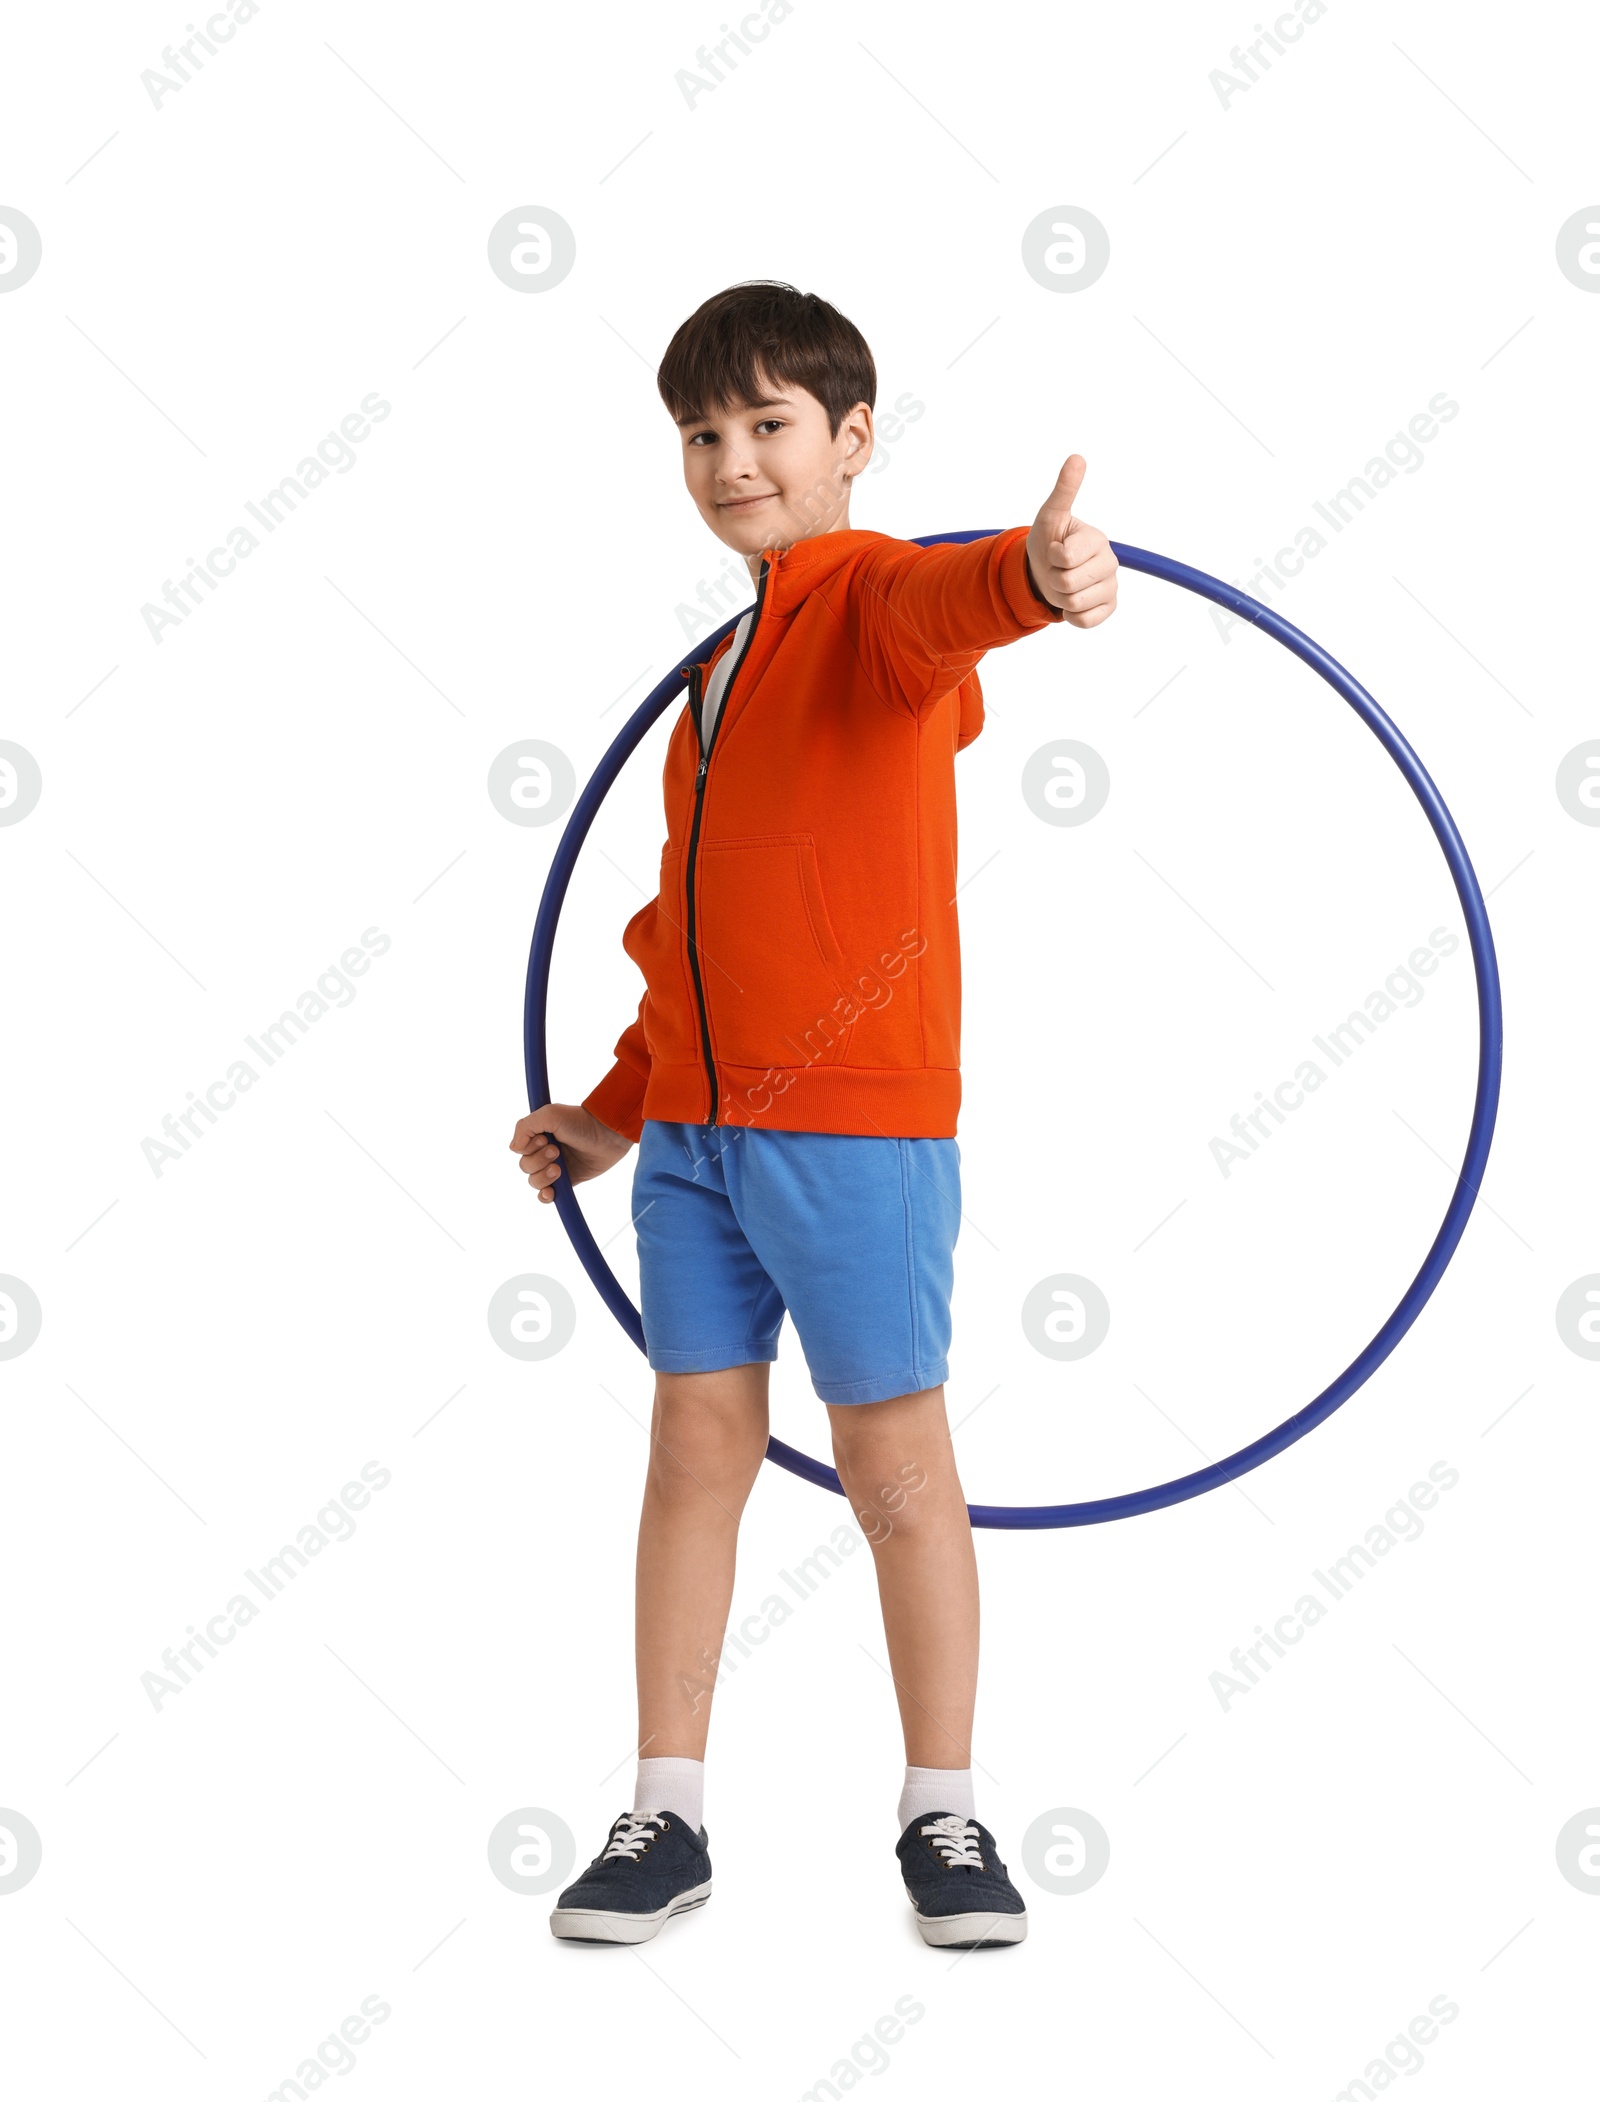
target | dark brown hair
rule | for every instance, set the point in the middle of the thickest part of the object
(718, 355)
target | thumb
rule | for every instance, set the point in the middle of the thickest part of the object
(1057, 511)
(552, 1118)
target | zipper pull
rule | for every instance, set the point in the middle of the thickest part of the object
(700, 776)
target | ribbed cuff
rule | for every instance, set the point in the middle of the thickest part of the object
(619, 1101)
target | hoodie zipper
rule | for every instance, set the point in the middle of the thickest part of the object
(696, 698)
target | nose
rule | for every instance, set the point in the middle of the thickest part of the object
(734, 466)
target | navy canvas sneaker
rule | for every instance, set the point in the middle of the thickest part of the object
(651, 1867)
(958, 1884)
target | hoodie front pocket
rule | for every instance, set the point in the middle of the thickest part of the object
(655, 939)
(771, 965)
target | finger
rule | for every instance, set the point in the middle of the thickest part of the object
(1077, 575)
(1075, 558)
(1092, 595)
(1078, 582)
(1086, 544)
(1069, 481)
(1055, 513)
(1093, 618)
(1078, 543)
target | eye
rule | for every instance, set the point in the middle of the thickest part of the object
(775, 421)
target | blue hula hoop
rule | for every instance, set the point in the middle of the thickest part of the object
(1027, 1517)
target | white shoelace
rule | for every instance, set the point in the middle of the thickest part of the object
(957, 1840)
(633, 1834)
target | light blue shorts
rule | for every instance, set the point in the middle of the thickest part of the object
(855, 1236)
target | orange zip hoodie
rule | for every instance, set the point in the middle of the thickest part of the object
(802, 959)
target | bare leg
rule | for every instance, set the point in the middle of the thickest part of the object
(707, 1437)
(899, 1471)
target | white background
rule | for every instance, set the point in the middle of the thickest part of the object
(1292, 278)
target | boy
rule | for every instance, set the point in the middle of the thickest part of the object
(792, 1078)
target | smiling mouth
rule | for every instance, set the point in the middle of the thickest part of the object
(743, 503)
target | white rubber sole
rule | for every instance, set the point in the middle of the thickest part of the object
(572, 1923)
(972, 1930)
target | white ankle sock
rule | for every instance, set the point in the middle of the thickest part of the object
(934, 1788)
(678, 1785)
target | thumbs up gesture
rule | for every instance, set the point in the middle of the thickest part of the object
(1071, 563)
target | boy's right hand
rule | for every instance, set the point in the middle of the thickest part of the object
(563, 1130)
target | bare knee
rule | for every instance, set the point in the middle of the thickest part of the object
(709, 1431)
(888, 1455)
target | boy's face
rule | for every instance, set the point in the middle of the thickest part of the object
(767, 473)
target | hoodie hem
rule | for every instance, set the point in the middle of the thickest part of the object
(917, 1102)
